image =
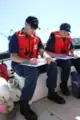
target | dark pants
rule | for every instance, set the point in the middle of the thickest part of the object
(31, 74)
(65, 66)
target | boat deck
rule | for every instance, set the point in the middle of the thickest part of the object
(47, 110)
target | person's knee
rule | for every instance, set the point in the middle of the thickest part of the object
(30, 71)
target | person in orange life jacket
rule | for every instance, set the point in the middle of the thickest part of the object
(60, 42)
(25, 46)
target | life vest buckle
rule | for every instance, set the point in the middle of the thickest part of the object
(29, 53)
(63, 51)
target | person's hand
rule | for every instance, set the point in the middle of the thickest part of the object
(33, 61)
(48, 59)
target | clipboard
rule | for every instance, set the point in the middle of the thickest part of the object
(62, 56)
(40, 62)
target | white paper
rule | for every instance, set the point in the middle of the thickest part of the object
(63, 57)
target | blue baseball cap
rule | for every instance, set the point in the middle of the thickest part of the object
(33, 21)
(66, 27)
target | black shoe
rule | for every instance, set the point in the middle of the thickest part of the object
(26, 111)
(64, 89)
(56, 98)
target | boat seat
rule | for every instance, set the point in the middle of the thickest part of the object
(41, 89)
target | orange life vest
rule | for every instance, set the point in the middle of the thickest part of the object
(61, 44)
(28, 45)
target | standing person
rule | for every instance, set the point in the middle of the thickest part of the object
(25, 46)
(60, 42)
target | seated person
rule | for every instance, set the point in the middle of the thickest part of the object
(60, 42)
(25, 46)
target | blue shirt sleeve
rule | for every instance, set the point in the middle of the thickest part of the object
(50, 42)
(40, 46)
(71, 46)
(13, 44)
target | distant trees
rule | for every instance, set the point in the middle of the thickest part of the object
(76, 41)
